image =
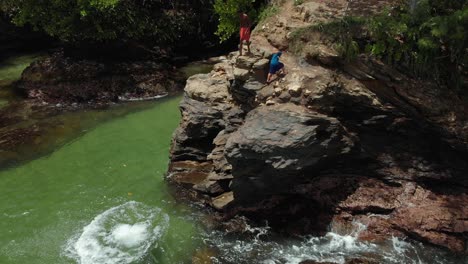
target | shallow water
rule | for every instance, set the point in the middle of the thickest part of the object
(12, 67)
(99, 197)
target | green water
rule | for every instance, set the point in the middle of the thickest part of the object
(89, 189)
(11, 68)
(81, 167)
(46, 202)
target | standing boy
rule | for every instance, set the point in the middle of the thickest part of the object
(245, 25)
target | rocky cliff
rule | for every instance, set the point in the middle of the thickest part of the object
(327, 144)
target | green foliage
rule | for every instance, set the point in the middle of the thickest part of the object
(104, 20)
(228, 17)
(340, 34)
(430, 40)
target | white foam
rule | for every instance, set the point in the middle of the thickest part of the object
(333, 247)
(122, 234)
(130, 235)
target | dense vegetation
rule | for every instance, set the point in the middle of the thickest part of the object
(428, 38)
(161, 21)
(104, 20)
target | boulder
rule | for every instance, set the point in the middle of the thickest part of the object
(245, 62)
(203, 87)
(241, 74)
(277, 145)
(201, 123)
(245, 92)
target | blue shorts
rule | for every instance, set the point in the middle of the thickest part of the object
(276, 67)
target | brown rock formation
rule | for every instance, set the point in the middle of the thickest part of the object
(328, 146)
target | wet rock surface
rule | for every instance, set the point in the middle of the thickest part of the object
(328, 144)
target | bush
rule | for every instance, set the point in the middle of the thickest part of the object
(104, 20)
(226, 10)
(229, 19)
(340, 34)
(429, 39)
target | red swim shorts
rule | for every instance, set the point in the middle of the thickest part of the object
(245, 34)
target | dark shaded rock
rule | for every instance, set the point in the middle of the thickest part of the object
(244, 92)
(65, 79)
(275, 143)
(222, 169)
(200, 124)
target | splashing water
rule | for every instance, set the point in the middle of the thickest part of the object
(122, 234)
(333, 247)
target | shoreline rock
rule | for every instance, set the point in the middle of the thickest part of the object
(58, 79)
